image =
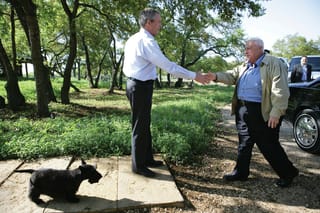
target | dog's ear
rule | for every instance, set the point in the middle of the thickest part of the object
(83, 162)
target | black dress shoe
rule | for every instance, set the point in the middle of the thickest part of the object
(234, 177)
(145, 172)
(155, 163)
(285, 182)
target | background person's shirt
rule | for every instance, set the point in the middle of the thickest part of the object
(304, 72)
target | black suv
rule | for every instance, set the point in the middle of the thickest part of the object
(304, 113)
(313, 60)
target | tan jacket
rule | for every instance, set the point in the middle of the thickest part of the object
(275, 90)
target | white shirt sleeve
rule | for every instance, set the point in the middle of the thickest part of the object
(143, 55)
(153, 54)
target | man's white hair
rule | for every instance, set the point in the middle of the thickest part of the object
(257, 41)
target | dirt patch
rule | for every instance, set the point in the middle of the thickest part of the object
(205, 191)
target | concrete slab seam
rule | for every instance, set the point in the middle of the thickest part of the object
(4, 180)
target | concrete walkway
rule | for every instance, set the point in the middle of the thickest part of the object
(118, 189)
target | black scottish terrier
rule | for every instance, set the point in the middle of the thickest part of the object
(59, 183)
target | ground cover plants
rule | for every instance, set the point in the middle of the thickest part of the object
(97, 124)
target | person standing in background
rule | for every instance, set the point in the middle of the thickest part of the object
(142, 55)
(301, 72)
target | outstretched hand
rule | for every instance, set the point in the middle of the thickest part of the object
(203, 78)
(212, 76)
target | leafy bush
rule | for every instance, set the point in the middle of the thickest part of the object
(90, 136)
(183, 129)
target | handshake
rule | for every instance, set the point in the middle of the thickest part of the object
(205, 78)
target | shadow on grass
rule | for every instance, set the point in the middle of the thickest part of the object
(72, 110)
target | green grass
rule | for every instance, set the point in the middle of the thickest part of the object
(97, 124)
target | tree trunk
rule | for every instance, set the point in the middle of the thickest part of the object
(13, 41)
(88, 64)
(2, 103)
(113, 81)
(27, 13)
(51, 94)
(15, 98)
(120, 79)
(178, 83)
(168, 80)
(79, 70)
(158, 80)
(100, 69)
(37, 60)
(72, 50)
(116, 68)
(26, 68)
(157, 83)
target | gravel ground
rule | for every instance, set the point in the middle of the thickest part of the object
(204, 190)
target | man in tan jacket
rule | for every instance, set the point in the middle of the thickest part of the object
(260, 100)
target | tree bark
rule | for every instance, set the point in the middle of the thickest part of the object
(88, 64)
(168, 80)
(15, 97)
(30, 12)
(27, 13)
(51, 94)
(72, 50)
(115, 71)
(178, 83)
(13, 41)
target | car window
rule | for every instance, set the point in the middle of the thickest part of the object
(293, 62)
(315, 63)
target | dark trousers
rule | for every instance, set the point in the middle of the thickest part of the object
(139, 94)
(252, 129)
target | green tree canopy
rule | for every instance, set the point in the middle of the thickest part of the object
(293, 45)
(94, 32)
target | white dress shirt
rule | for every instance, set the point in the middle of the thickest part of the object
(142, 55)
(304, 72)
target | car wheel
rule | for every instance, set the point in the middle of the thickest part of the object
(306, 129)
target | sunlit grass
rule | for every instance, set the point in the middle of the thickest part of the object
(97, 123)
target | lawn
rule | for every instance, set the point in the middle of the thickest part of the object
(97, 124)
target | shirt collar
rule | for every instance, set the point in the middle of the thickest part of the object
(258, 62)
(142, 30)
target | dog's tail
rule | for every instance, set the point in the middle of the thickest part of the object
(25, 170)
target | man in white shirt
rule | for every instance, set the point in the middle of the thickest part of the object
(141, 57)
